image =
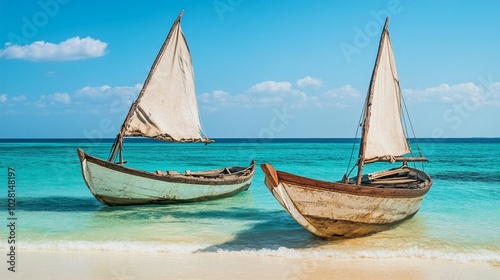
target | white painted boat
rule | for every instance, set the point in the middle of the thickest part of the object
(363, 204)
(115, 184)
(166, 109)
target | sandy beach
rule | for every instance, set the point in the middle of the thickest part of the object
(113, 265)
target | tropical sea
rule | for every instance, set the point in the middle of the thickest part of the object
(459, 220)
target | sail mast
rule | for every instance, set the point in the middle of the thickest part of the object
(118, 146)
(369, 98)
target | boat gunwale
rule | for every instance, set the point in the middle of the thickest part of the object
(226, 179)
(322, 185)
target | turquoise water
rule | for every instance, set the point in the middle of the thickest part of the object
(459, 219)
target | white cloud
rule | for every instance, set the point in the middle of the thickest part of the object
(271, 86)
(93, 92)
(61, 98)
(216, 99)
(495, 87)
(446, 90)
(447, 99)
(19, 98)
(338, 97)
(106, 99)
(494, 94)
(105, 91)
(71, 49)
(5, 99)
(217, 96)
(54, 99)
(271, 93)
(309, 81)
(494, 90)
(344, 92)
(446, 93)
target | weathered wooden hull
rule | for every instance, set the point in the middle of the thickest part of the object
(113, 184)
(337, 210)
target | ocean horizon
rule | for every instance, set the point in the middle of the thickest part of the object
(232, 139)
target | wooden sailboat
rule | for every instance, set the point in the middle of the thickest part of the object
(166, 109)
(363, 204)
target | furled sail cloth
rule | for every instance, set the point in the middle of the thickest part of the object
(385, 138)
(166, 108)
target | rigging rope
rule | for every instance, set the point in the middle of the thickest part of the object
(347, 172)
(413, 131)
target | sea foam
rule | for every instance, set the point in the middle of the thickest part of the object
(480, 256)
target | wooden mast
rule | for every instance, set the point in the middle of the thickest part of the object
(118, 146)
(369, 99)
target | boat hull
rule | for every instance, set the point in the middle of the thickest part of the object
(113, 184)
(337, 210)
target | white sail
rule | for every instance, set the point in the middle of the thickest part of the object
(385, 137)
(166, 108)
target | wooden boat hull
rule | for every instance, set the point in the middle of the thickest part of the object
(338, 210)
(113, 184)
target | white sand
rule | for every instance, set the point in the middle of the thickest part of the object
(113, 265)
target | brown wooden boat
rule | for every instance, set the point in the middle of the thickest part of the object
(363, 204)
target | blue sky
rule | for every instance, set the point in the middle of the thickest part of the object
(70, 68)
